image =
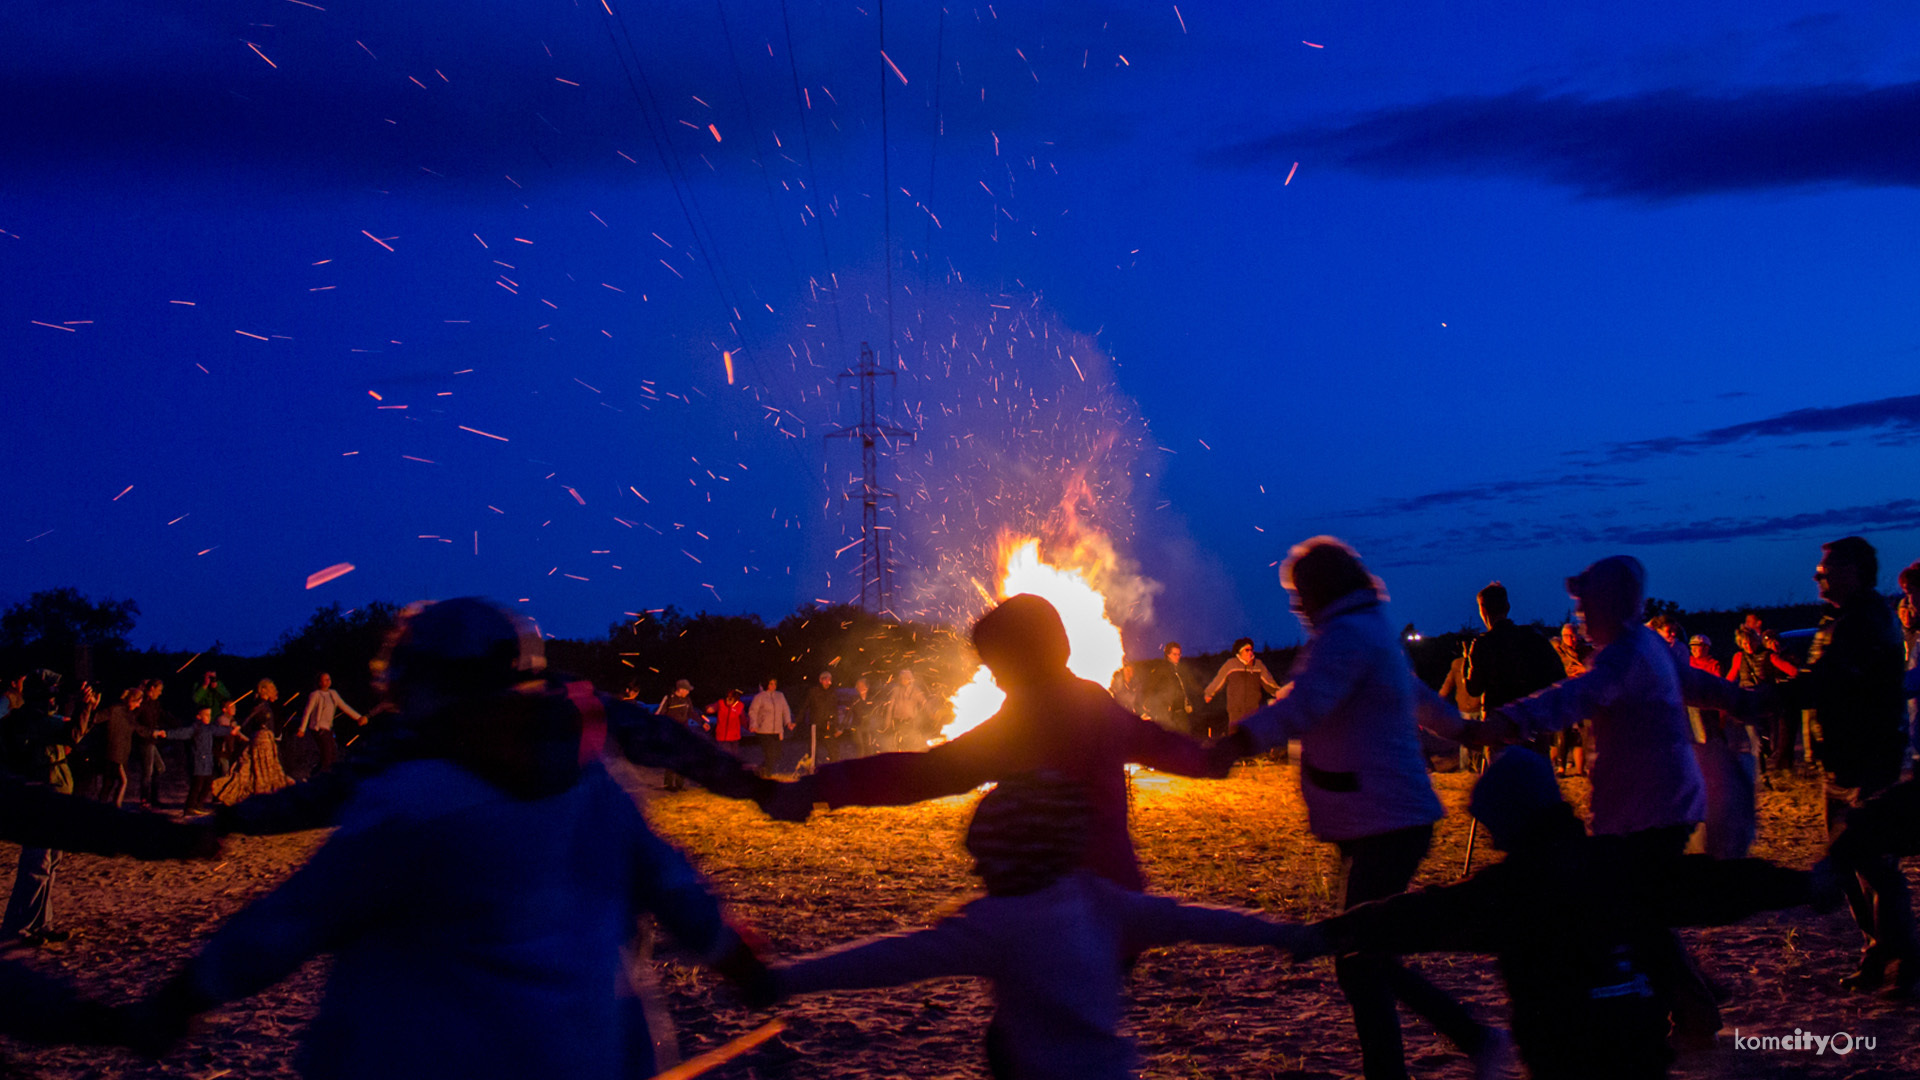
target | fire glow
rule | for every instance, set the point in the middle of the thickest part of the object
(1096, 649)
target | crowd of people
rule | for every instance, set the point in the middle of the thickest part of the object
(832, 723)
(480, 894)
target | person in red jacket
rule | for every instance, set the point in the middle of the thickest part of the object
(729, 717)
(1052, 720)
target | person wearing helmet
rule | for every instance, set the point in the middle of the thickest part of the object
(479, 901)
(466, 656)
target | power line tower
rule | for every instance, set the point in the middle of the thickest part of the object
(876, 558)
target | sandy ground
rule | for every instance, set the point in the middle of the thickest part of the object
(1196, 1012)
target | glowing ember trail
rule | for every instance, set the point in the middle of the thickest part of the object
(1097, 651)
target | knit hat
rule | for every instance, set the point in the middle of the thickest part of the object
(1028, 832)
(682, 684)
(1511, 795)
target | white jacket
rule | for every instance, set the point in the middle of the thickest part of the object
(1352, 704)
(768, 714)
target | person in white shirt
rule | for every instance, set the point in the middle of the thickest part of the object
(317, 718)
(769, 718)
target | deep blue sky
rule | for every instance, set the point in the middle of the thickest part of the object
(1542, 287)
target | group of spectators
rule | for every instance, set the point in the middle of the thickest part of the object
(112, 748)
(831, 724)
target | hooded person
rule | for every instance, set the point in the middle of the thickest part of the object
(1647, 786)
(1566, 914)
(1356, 707)
(1053, 939)
(480, 903)
(1051, 720)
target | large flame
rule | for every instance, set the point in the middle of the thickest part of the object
(1097, 651)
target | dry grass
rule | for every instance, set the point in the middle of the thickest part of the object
(1196, 1012)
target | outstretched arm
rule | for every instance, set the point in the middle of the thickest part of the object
(656, 742)
(944, 949)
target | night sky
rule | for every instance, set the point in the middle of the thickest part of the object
(449, 291)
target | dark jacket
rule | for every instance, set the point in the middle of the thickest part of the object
(119, 724)
(1508, 662)
(36, 744)
(821, 709)
(1563, 914)
(1853, 680)
(1070, 726)
(1172, 695)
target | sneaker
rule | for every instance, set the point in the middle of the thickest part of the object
(1495, 1059)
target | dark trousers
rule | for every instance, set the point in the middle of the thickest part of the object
(30, 908)
(1372, 868)
(1675, 977)
(327, 749)
(198, 789)
(1876, 889)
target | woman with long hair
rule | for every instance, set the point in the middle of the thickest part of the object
(256, 770)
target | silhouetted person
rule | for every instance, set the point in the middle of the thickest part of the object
(1566, 914)
(1853, 680)
(1172, 692)
(479, 903)
(1051, 720)
(1509, 661)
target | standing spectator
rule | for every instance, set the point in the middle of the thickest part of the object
(15, 696)
(1909, 610)
(1352, 703)
(1509, 661)
(861, 716)
(1673, 634)
(1852, 680)
(1570, 747)
(1759, 664)
(911, 721)
(212, 692)
(729, 719)
(769, 718)
(119, 724)
(1247, 681)
(1453, 689)
(317, 718)
(202, 737)
(1728, 765)
(148, 763)
(678, 708)
(1127, 689)
(819, 728)
(35, 741)
(1171, 691)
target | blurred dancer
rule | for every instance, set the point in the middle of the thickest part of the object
(1352, 703)
(1051, 720)
(1565, 913)
(1054, 940)
(479, 903)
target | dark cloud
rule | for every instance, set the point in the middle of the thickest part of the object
(1433, 546)
(1504, 491)
(1660, 145)
(1896, 418)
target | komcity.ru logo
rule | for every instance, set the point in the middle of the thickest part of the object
(1839, 1042)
